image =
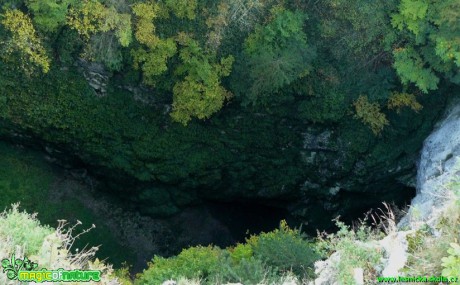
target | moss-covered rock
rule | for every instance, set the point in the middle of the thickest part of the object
(241, 153)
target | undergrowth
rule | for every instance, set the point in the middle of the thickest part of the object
(267, 258)
(22, 235)
(356, 249)
(434, 250)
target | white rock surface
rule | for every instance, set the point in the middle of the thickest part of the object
(439, 165)
(395, 246)
(325, 271)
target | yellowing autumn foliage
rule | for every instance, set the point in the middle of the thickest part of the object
(155, 52)
(24, 40)
(370, 114)
(87, 19)
(397, 101)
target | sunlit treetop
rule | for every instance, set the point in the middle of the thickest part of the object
(24, 41)
(434, 48)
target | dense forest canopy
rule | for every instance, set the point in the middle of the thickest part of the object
(326, 55)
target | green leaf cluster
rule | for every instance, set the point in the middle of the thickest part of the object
(193, 263)
(200, 93)
(49, 15)
(451, 263)
(25, 41)
(153, 55)
(87, 18)
(433, 46)
(17, 226)
(182, 8)
(276, 55)
(285, 249)
(410, 68)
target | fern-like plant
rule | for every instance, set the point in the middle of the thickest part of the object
(451, 263)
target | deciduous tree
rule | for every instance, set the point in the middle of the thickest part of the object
(199, 94)
(24, 41)
(154, 51)
(432, 48)
(277, 54)
(49, 15)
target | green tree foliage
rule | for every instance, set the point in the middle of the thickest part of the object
(152, 56)
(329, 107)
(91, 17)
(120, 24)
(285, 249)
(354, 40)
(24, 41)
(105, 30)
(182, 8)
(355, 31)
(12, 4)
(218, 25)
(87, 18)
(106, 45)
(200, 93)
(195, 262)
(276, 55)
(410, 67)
(49, 15)
(104, 48)
(433, 46)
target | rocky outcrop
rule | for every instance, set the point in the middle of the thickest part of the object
(439, 166)
(96, 76)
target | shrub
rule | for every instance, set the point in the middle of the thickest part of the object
(354, 251)
(285, 249)
(267, 258)
(192, 263)
(23, 230)
(327, 108)
(247, 271)
(22, 235)
(123, 274)
(241, 251)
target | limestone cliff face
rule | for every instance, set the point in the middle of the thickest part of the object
(438, 166)
(95, 74)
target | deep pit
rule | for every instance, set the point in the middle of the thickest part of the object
(126, 235)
